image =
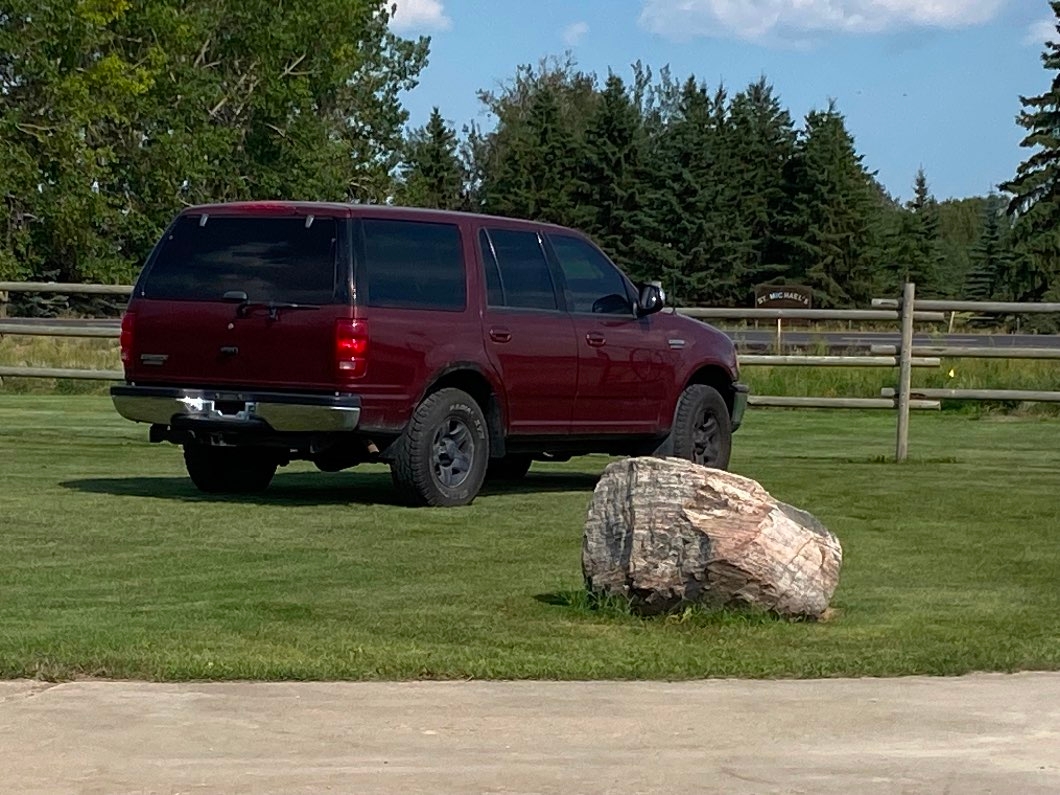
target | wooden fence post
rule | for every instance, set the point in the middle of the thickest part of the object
(905, 372)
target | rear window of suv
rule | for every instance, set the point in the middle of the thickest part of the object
(270, 259)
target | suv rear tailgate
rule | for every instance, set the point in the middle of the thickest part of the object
(215, 343)
(231, 300)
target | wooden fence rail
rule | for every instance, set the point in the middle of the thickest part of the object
(905, 357)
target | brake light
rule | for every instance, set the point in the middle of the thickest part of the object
(266, 208)
(128, 328)
(351, 348)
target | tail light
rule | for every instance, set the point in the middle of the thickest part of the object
(351, 348)
(128, 328)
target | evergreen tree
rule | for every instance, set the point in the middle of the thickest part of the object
(1035, 190)
(763, 142)
(609, 180)
(532, 176)
(924, 271)
(432, 174)
(828, 237)
(917, 254)
(960, 228)
(524, 166)
(990, 257)
(687, 199)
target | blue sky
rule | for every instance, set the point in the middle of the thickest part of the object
(932, 83)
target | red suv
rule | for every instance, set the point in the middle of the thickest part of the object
(453, 347)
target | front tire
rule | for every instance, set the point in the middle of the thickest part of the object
(229, 470)
(441, 458)
(702, 431)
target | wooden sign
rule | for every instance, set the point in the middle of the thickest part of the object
(783, 296)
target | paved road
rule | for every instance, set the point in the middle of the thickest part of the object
(764, 338)
(853, 339)
(51, 321)
(997, 734)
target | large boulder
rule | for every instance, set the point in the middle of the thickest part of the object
(665, 533)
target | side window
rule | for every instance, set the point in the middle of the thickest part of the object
(593, 283)
(412, 265)
(525, 281)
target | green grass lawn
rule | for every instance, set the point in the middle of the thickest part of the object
(114, 566)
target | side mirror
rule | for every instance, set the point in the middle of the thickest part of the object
(651, 300)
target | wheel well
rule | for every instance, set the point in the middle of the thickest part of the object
(480, 389)
(717, 377)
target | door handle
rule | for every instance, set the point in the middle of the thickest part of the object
(501, 335)
(595, 340)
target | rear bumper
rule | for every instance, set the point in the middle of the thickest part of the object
(740, 393)
(236, 410)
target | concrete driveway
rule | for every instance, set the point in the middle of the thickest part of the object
(979, 734)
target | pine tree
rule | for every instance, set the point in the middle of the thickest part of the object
(531, 177)
(763, 140)
(917, 254)
(827, 225)
(524, 166)
(990, 256)
(610, 176)
(1035, 190)
(685, 196)
(432, 174)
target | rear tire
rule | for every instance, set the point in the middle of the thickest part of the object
(702, 431)
(229, 470)
(509, 468)
(441, 458)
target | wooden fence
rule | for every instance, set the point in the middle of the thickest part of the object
(905, 312)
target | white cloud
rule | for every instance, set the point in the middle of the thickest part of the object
(418, 15)
(573, 34)
(757, 20)
(1040, 32)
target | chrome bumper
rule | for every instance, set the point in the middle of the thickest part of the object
(235, 410)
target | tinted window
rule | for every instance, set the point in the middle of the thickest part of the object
(525, 279)
(413, 265)
(270, 259)
(593, 284)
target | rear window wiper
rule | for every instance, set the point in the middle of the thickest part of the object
(246, 306)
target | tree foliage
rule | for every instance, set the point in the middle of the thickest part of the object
(114, 114)
(827, 230)
(432, 174)
(1035, 190)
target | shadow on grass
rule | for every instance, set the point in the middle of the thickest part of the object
(300, 489)
(544, 482)
(613, 608)
(309, 489)
(579, 599)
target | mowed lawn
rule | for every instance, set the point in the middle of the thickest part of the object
(112, 565)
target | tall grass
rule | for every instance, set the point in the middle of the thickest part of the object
(953, 374)
(62, 352)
